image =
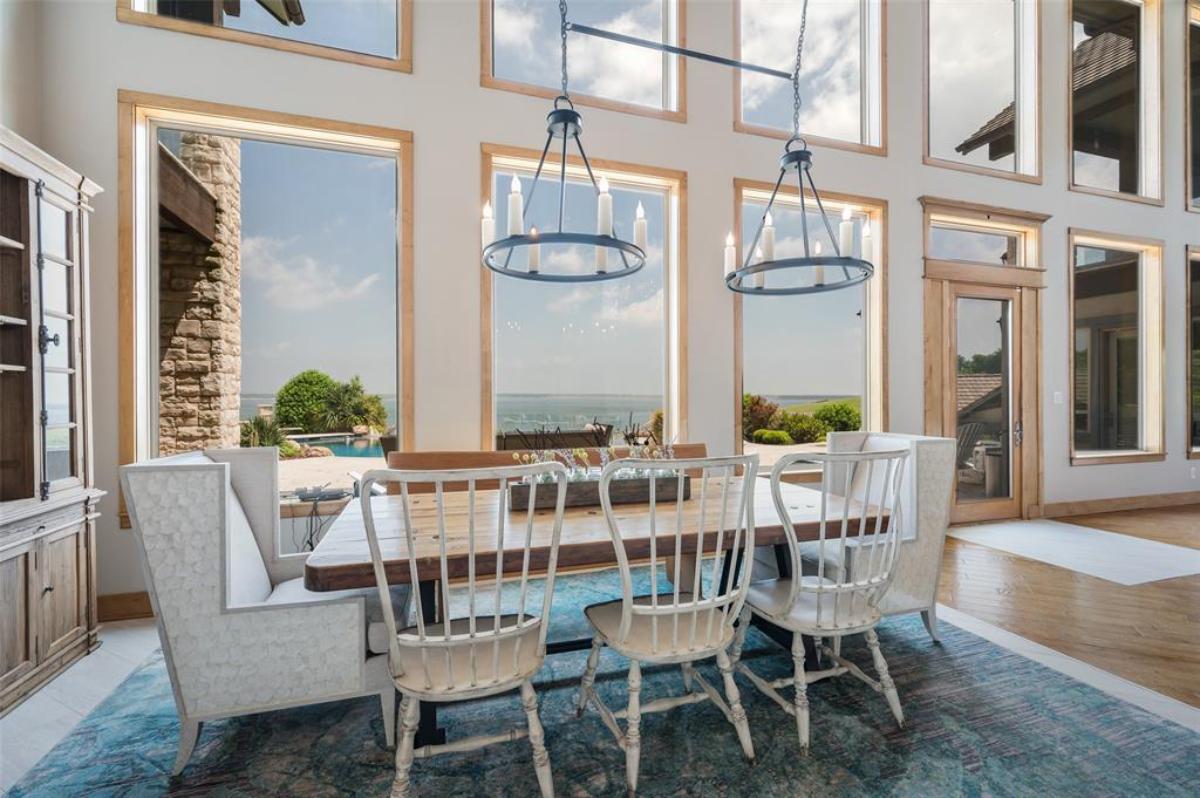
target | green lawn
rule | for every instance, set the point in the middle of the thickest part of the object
(812, 407)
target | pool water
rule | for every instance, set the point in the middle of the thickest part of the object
(357, 447)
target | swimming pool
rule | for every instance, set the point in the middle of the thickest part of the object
(357, 447)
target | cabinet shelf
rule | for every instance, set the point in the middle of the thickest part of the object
(4, 367)
(12, 321)
(8, 243)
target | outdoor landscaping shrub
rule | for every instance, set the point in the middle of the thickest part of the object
(839, 416)
(301, 402)
(349, 405)
(289, 450)
(656, 426)
(774, 437)
(261, 431)
(756, 414)
(801, 427)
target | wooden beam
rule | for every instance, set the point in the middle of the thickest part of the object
(183, 200)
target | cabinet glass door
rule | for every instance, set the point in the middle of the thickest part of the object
(56, 340)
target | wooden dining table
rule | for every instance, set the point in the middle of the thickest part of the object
(342, 559)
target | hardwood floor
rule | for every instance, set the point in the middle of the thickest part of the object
(1148, 633)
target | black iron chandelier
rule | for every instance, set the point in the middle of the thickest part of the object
(817, 272)
(563, 122)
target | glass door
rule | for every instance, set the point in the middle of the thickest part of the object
(983, 393)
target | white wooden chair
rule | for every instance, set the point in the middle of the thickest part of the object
(832, 604)
(678, 626)
(500, 641)
(239, 632)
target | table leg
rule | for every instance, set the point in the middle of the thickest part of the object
(428, 731)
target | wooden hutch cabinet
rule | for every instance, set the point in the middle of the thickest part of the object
(48, 613)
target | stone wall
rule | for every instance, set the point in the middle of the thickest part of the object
(200, 310)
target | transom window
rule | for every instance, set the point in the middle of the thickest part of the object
(841, 81)
(370, 32)
(805, 374)
(1116, 97)
(982, 84)
(522, 52)
(586, 364)
(1116, 349)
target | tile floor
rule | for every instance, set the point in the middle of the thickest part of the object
(34, 727)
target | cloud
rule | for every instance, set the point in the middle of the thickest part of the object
(617, 308)
(830, 76)
(297, 282)
(569, 302)
(528, 43)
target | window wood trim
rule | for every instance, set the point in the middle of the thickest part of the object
(881, 64)
(401, 63)
(878, 403)
(1150, 123)
(1191, 12)
(133, 110)
(674, 286)
(1192, 254)
(1030, 274)
(1034, 177)
(1151, 347)
(488, 80)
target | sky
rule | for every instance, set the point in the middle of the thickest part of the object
(318, 265)
(361, 26)
(527, 48)
(605, 337)
(798, 345)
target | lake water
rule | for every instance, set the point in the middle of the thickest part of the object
(530, 411)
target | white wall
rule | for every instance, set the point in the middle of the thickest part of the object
(20, 102)
(88, 56)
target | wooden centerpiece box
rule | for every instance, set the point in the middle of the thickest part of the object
(586, 492)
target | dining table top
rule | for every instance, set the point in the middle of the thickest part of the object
(342, 558)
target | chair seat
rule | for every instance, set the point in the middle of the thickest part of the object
(640, 643)
(769, 598)
(293, 591)
(452, 681)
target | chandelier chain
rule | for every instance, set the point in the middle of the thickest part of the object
(795, 70)
(562, 14)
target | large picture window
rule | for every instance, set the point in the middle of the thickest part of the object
(370, 32)
(589, 364)
(804, 375)
(842, 79)
(257, 325)
(1116, 100)
(982, 85)
(1116, 349)
(521, 49)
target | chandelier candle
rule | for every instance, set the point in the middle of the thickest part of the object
(604, 222)
(639, 228)
(516, 209)
(846, 234)
(759, 280)
(730, 255)
(488, 228)
(535, 252)
(768, 238)
(819, 270)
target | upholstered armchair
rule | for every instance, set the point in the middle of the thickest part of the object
(239, 632)
(925, 515)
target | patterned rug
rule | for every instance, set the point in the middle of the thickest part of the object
(982, 721)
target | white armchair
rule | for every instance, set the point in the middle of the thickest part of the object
(239, 632)
(925, 515)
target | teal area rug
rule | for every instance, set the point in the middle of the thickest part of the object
(982, 721)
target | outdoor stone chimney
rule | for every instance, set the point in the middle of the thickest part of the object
(200, 305)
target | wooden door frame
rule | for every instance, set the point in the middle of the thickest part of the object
(1029, 280)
